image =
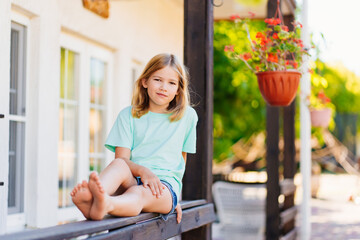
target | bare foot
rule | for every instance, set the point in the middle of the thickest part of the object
(101, 205)
(82, 198)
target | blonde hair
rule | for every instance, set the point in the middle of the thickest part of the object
(140, 99)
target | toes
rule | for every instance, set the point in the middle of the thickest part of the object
(84, 184)
(73, 192)
(93, 176)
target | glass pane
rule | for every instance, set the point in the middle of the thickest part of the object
(16, 128)
(68, 74)
(67, 150)
(68, 126)
(16, 163)
(96, 131)
(17, 81)
(96, 164)
(97, 79)
(67, 180)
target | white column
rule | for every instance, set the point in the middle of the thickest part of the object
(305, 133)
(44, 84)
(5, 26)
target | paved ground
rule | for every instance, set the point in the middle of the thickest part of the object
(333, 216)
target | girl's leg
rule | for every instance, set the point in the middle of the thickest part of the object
(116, 174)
(130, 203)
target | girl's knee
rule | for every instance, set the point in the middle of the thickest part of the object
(119, 162)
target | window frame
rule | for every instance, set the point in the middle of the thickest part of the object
(86, 49)
(17, 221)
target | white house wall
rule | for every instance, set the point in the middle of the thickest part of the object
(135, 31)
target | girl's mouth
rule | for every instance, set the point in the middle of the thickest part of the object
(161, 95)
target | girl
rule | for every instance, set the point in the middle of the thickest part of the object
(150, 139)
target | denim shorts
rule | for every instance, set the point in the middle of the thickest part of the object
(173, 196)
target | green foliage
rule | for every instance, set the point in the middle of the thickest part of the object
(239, 110)
(340, 84)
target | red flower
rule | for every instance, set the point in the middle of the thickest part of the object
(272, 21)
(321, 95)
(229, 48)
(246, 56)
(257, 68)
(252, 14)
(296, 23)
(272, 58)
(285, 28)
(275, 36)
(234, 17)
(292, 63)
(260, 35)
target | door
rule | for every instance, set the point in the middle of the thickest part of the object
(12, 130)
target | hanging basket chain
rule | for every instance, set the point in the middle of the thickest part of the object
(278, 13)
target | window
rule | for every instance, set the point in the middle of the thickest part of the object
(84, 81)
(97, 114)
(68, 125)
(17, 119)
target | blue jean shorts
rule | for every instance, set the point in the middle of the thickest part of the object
(173, 196)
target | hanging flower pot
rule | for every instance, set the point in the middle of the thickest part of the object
(278, 88)
(320, 117)
(274, 55)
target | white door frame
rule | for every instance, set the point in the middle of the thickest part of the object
(5, 25)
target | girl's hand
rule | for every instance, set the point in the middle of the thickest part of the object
(179, 213)
(150, 180)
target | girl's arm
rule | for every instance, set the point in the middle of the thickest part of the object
(178, 206)
(148, 178)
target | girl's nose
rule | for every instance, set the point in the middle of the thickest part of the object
(163, 87)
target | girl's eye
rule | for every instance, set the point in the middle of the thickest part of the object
(156, 79)
(172, 83)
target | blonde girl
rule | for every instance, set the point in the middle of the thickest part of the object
(150, 140)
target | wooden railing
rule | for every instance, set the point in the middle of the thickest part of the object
(288, 210)
(196, 213)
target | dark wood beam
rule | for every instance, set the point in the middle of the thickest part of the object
(272, 169)
(198, 58)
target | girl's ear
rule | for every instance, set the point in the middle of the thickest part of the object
(144, 84)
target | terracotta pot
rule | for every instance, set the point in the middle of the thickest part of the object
(320, 117)
(278, 88)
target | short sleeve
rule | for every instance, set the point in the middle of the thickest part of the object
(121, 132)
(190, 136)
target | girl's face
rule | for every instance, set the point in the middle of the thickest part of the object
(162, 86)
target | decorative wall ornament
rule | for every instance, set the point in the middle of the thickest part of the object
(99, 7)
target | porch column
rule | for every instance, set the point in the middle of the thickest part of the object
(198, 57)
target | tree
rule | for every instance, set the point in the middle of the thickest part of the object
(239, 110)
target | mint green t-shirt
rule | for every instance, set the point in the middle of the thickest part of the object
(156, 143)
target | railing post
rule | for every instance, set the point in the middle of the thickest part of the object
(198, 57)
